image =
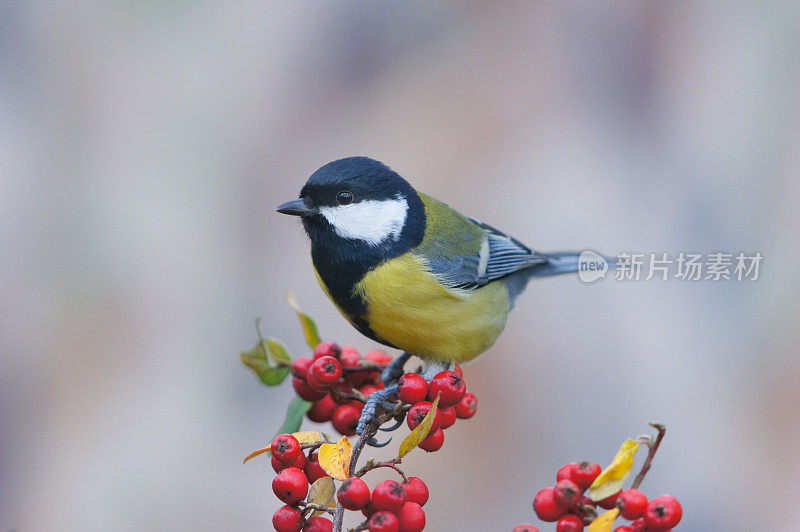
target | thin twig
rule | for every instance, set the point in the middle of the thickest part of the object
(653, 447)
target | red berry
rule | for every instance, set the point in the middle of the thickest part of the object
(378, 357)
(300, 367)
(350, 357)
(418, 412)
(288, 519)
(305, 391)
(432, 442)
(368, 510)
(384, 522)
(447, 417)
(279, 466)
(412, 389)
(569, 523)
(632, 504)
(326, 370)
(411, 517)
(290, 485)
(285, 448)
(350, 360)
(327, 349)
(663, 512)
(567, 493)
(340, 392)
(313, 470)
(353, 494)
(638, 525)
(565, 473)
(313, 383)
(416, 490)
(584, 473)
(624, 529)
(525, 528)
(546, 507)
(609, 502)
(345, 420)
(322, 410)
(467, 407)
(318, 524)
(389, 495)
(368, 389)
(451, 387)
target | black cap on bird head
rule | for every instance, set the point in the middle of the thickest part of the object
(361, 202)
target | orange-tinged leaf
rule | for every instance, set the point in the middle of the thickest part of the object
(612, 478)
(322, 491)
(605, 522)
(309, 325)
(334, 458)
(305, 436)
(421, 431)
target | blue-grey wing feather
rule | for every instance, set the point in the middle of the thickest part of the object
(506, 256)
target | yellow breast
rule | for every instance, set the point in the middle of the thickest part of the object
(409, 308)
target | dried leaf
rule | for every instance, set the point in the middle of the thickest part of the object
(335, 458)
(420, 432)
(322, 492)
(309, 325)
(612, 478)
(605, 522)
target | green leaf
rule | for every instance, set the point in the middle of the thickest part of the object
(270, 374)
(278, 353)
(294, 416)
(309, 326)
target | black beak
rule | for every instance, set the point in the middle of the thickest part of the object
(296, 207)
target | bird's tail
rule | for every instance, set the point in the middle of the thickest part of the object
(558, 263)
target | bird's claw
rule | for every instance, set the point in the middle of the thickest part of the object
(376, 401)
(372, 442)
(394, 370)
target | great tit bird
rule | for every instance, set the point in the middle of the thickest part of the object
(410, 272)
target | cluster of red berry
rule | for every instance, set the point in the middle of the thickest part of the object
(566, 504)
(331, 379)
(337, 380)
(392, 506)
(454, 402)
(295, 471)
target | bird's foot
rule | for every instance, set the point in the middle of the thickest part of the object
(377, 403)
(394, 370)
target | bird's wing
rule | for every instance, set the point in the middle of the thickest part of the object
(467, 254)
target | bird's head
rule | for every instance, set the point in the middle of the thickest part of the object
(361, 204)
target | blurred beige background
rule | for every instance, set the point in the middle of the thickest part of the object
(144, 146)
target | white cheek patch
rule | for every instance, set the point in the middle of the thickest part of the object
(372, 221)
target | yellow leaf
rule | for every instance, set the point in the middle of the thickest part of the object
(604, 522)
(322, 492)
(307, 436)
(304, 436)
(335, 458)
(420, 432)
(309, 326)
(612, 478)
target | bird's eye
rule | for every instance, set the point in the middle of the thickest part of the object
(344, 197)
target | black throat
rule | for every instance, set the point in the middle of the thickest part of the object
(341, 263)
